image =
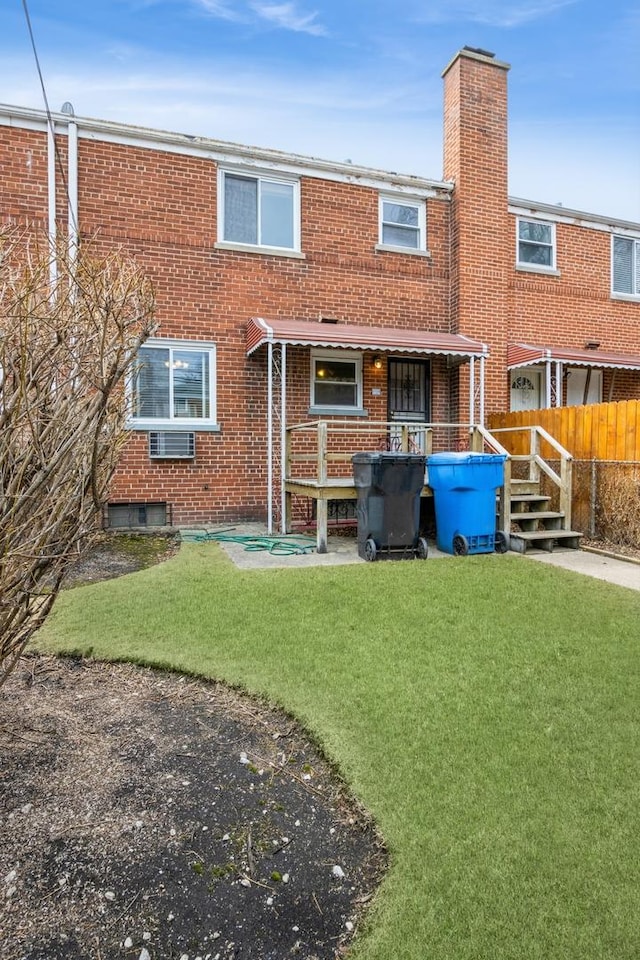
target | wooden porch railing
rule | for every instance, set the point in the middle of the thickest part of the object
(318, 459)
(318, 456)
(539, 442)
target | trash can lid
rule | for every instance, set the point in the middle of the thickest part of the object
(387, 456)
(455, 458)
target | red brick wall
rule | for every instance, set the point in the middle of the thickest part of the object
(161, 207)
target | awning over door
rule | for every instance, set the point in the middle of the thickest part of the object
(354, 337)
(527, 355)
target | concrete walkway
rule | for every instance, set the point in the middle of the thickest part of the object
(626, 573)
(342, 550)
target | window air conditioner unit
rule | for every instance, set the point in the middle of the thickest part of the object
(172, 446)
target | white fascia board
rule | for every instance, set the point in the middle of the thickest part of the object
(576, 218)
(223, 152)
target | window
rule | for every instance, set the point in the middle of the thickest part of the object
(626, 266)
(259, 211)
(173, 385)
(402, 223)
(336, 380)
(536, 244)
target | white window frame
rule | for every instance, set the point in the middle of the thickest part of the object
(172, 422)
(421, 230)
(635, 267)
(537, 267)
(343, 356)
(260, 176)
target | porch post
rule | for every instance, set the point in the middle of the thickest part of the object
(472, 389)
(547, 385)
(283, 435)
(558, 383)
(270, 437)
(482, 360)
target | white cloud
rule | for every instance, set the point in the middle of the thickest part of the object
(282, 16)
(493, 13)
(286, 16)
(221, 9)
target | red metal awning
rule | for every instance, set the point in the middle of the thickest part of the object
(354, 337)
(527, 355)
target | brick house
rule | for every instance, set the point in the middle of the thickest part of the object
(292, 290)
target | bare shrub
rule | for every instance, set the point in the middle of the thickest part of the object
(71, 323)
(618, 504)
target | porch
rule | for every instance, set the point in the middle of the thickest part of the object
(317, 467)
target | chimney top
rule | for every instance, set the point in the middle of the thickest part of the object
(479, 50)
(476, 53)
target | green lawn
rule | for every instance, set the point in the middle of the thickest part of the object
(484, 709)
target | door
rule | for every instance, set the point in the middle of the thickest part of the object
(526, 389)
(409, 393)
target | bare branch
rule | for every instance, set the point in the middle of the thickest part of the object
(66, 346)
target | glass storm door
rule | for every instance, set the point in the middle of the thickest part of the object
(409, 395)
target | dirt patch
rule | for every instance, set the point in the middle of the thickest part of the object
(149, 815)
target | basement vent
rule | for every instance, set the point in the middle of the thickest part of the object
(172, 446)
(136, 515)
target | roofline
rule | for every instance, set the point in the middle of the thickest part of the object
(560, 214)
(226, 151)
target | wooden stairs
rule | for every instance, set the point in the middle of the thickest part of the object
(533, 525)
(524, 512)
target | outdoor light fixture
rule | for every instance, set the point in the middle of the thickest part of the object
(377, 362)
(592, 345)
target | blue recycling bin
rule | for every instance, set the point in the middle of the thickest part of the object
(464, 489)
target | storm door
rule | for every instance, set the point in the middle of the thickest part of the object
(409, 396)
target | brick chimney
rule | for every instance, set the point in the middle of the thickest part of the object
(475, 159)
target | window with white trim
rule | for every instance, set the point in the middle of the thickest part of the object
(173, 385)
(403, 223)
(536, 244)
(336, 380)
(625, 265)
(259, 211)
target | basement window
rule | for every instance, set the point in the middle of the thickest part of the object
(134, 515)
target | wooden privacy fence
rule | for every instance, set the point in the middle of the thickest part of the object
(599, 431)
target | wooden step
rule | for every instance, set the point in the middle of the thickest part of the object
(523, 540)
(528, 500)
(525, 486)
(538, 520)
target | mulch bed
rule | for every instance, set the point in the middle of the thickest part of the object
(149, 815)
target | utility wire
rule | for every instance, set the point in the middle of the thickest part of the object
(50, 120)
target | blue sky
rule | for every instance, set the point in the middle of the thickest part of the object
(356, 79)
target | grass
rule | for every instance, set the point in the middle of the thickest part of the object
(484, 709)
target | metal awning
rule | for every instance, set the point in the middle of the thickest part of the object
(350, 336)
(279, 334)
(527, 355)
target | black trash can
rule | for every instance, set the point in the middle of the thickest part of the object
(389, 487)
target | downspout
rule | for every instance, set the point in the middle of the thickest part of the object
(51, 196)
(72, 177)
(283, 434)
(270, 437)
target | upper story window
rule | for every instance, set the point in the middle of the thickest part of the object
(259, 211)
(625, 266)
(174, 385)
(403, 223)
(536, 243)
(336, 380)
